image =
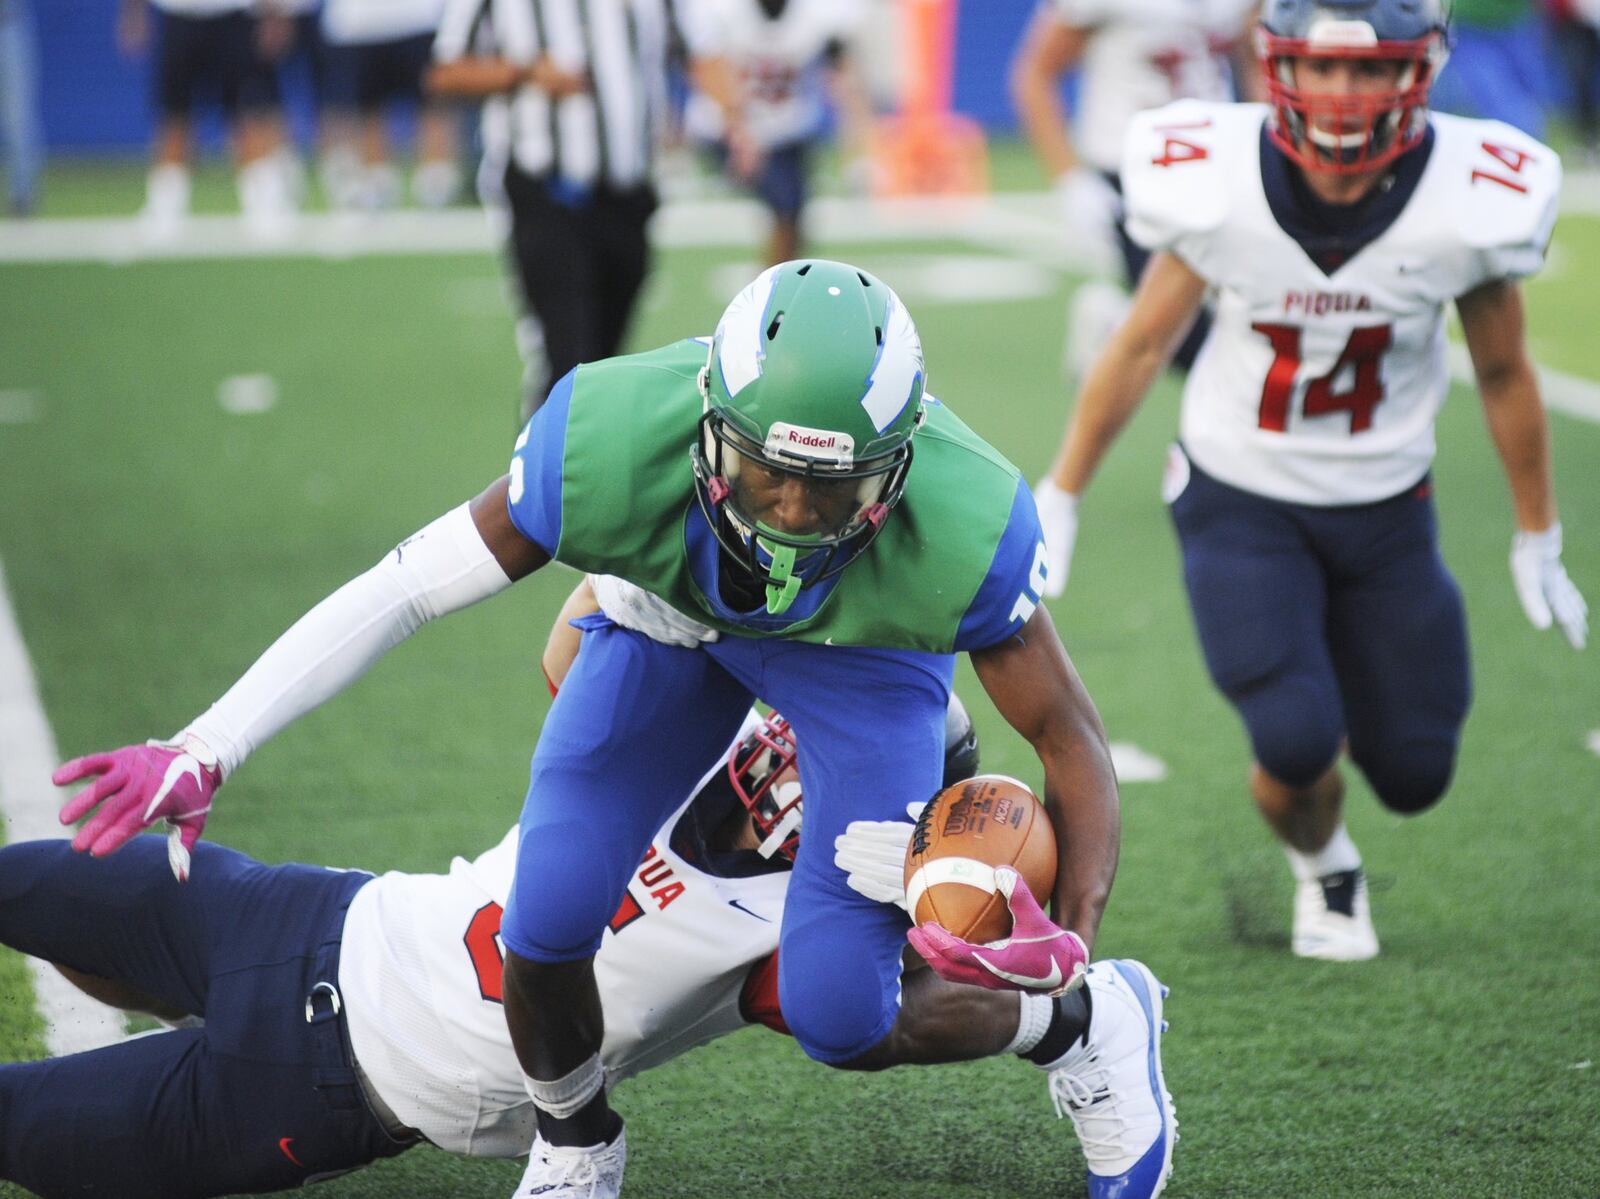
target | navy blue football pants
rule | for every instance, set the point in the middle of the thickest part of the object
(633, 729)
(1321, 624)
(262, 1098)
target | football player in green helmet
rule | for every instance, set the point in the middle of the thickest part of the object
(813, 389)
(757, 528)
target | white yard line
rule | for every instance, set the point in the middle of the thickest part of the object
(1562, 392)
(1022, 224)
(1021, 221)
(28, 803)
(1135, 765)
(246, 395)
(732, 222)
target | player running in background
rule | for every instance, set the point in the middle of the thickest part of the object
(756, 493)
(205, 50)
(786, 54)
(402, 977)
(1130, 55)
(1336, 224)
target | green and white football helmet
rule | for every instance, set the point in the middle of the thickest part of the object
(812, 391)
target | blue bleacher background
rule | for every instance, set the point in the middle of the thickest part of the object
(95, 100)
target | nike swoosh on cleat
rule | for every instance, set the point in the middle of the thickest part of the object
(734, 903)
(283, 1144)
(1048, 982)
(181, 765)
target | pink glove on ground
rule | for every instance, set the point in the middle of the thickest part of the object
(137, 786)
(1037, 956)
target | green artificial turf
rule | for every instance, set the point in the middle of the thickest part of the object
(155, 543)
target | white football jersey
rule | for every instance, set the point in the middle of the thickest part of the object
(1143, 54)
(359, 22)
(778, 62)
(420, 970)
(1322, 388)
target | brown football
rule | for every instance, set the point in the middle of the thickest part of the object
(968, 830)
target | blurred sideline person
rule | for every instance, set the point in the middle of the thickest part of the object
(1130, 55)
(1336, 224)
(586, 100)
(327, 1019)
(791, 59)
(378, 53)
(20, 131)
(1574, 27)
(291, 42)
(210, 49)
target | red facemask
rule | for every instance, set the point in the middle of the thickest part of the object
(1348, 135)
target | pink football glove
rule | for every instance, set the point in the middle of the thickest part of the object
(1037, 956)
(139, 785)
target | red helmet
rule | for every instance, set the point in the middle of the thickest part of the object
(1346, 135)
(753, 767)
(762, 755)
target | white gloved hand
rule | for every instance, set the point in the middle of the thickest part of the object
(634, 608)
(1090, 209)
(1547, 594)
(872, 853)
(1058, 520)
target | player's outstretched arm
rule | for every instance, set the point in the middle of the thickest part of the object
(1493, 321)
(466, 555)
(1164, 307)
(1089, 205)
(474, 77)
(1035, 687)
(1049, 47)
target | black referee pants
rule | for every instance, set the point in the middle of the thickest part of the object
(581, 260)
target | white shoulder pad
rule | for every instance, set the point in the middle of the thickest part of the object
(1503, 190)
(1177, 166)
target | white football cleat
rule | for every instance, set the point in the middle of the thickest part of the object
(1112, 1087)
(561, 1172)
(1332, 921)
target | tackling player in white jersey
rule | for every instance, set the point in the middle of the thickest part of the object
(787, 56)
(1129, 55)
(327, 1019)
(1335, 224)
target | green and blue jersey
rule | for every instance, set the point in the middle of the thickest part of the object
(601, 480)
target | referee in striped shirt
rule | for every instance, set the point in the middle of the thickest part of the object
(576, 98)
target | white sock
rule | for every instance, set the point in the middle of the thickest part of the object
(167, 190)
(341, 176)
(1033, 1021)
(1339, 854)
(435, 184)
(262, 187)
(380, 186)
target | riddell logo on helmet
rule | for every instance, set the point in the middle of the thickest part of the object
(816, 440)
(823, 444)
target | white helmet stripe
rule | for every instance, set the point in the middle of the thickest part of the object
(741, 333)
(897, 368)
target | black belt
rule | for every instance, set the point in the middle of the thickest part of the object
(336, 1075)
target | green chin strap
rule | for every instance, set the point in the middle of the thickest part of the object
(781, 594)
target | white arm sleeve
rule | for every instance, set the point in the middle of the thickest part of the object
(444, 567)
